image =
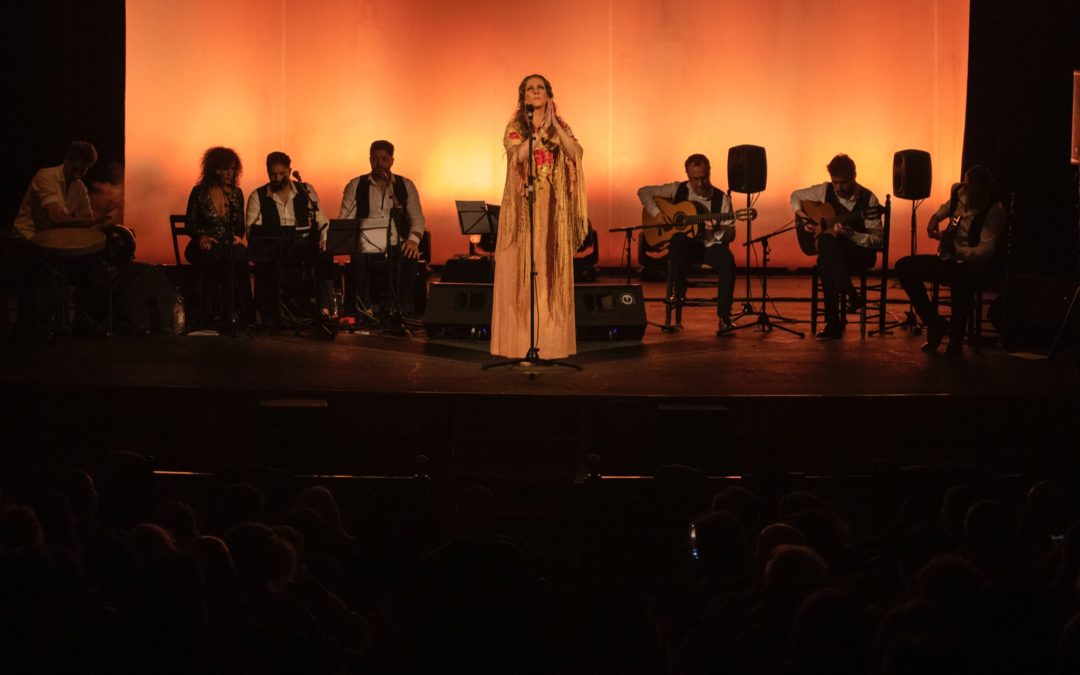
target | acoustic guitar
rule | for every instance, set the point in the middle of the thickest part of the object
(824, 219)
(686, 218)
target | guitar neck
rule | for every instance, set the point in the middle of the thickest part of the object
(702, 217)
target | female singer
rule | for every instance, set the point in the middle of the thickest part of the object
(559, 225)
(215, 221)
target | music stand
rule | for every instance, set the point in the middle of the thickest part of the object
(343, 236)
(477, 218)
(273, 246)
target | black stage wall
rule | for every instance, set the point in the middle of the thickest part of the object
(65, 80)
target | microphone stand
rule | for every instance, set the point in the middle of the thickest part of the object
(315, 233)
(232, 288)
(764, 319)
(533, 355)
(393, 257)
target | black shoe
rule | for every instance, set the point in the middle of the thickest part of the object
(935, 332)
(832, 332)
(955, 350)
(724, 325)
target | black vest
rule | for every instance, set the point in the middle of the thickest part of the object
(682, 193)
(975, 229)
(270, 217)
(363, 203)
(862, 203)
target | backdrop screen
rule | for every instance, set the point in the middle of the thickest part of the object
(643, 83)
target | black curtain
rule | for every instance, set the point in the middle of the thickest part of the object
(64, 81)
(1019, 112)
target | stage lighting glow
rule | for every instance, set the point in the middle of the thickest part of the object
(644, 83)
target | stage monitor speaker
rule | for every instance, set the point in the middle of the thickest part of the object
(747, 169)
(609, 311)
(458, 310)
(911, 176)
(1076, 118)
(602, 311)
(469, 269)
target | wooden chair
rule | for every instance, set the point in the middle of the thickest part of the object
(875, 293)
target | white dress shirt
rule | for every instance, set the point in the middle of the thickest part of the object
(373, 228)
(647, 195)
(874, 236)
(49, 187)
(286, 209)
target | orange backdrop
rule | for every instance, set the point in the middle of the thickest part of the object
(643, 83)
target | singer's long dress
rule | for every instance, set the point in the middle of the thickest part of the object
(560, 225)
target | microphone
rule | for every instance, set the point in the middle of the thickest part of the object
(296, 175)
(529, 108)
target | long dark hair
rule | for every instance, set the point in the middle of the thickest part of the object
(219, 157)
(520, 115)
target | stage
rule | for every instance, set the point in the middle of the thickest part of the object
(748, 402)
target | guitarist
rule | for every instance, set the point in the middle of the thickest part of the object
(966, 257)
(853, 248)
(697, 188)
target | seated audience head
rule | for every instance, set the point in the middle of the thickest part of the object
(322, 501)
(953, 584)
(742, 503)
(264, 561)
(216, 563)
(149, 542)
(776, 535)
(793, 573)
(918, 545)
(721, 542)
(912, 618)
(954, 507)
(239, 503)
(19, 527)
(180, 520)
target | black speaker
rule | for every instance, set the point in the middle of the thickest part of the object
(602, 311)
(911, 174)
(146, 303)
(458, 310)
(609, 311)
(747, 169)
(469, 269)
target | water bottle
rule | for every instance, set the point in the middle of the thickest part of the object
(335, 304)
(179, 320)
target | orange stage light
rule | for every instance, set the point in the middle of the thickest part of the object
(644, 83)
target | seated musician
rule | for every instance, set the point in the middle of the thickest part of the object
(851, 247)
(967, 257)
(279, 221)
(215, 220)
(56, 198)
(384, 201)
(697, 189)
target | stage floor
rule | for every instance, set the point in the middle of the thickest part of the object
(766, 390)
(690, 362)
